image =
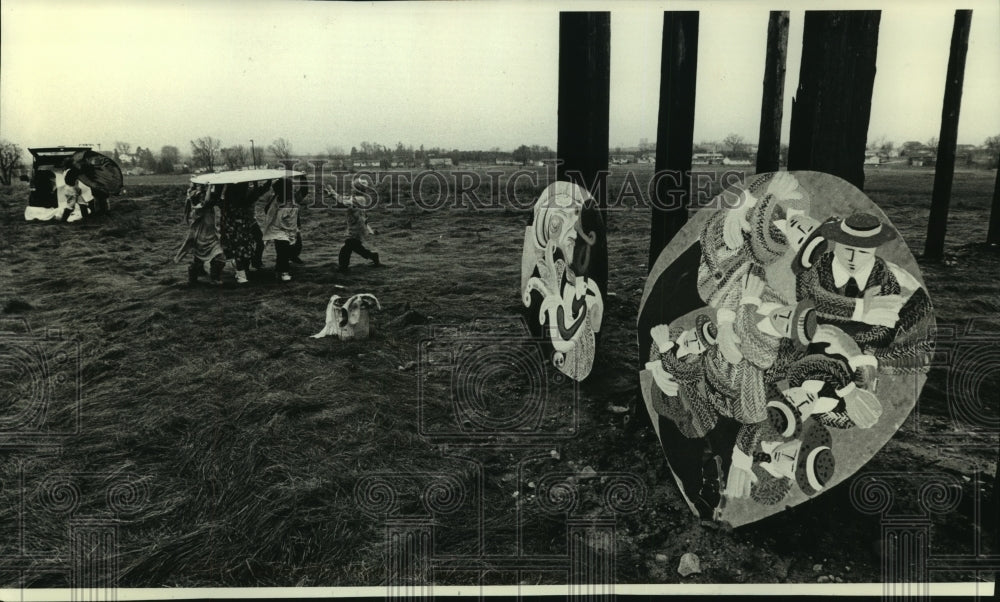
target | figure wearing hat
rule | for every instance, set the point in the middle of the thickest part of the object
(805, 458)
(783, 426)
(676, 365)
(852, 287)
(828, 389)
(772, 336)
(357, 222)
(676, 392)
(744, 240)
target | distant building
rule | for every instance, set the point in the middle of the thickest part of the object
(922, 158)
(964, 153)
(983, 156)
(439, 161)
(707, 158)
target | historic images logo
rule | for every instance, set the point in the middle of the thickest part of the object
(65, 527)
(504, 190)
(965, 371)
(505, 510)
(40, 398)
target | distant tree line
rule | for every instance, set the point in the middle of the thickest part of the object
(208, 153)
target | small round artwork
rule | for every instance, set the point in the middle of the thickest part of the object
(785, 335)
(564, 273)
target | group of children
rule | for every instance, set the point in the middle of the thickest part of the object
(236, 235)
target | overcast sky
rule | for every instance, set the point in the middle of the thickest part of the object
(455, 75)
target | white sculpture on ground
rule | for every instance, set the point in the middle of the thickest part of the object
(349, 318)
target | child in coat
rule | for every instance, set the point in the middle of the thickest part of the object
(281, 225)
(202, 242)
(357, 224)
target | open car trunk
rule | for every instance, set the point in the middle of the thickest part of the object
(63, 178)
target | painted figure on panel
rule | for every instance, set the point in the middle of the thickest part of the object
(794, 369)
(559, 255)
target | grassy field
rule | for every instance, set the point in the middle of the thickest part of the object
(242, 442)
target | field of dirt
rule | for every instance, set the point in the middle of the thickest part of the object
(245, 444)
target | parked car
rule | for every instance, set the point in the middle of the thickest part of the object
(51, 166)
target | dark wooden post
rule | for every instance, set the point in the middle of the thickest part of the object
(944, 165)
(769, 141)
(584, 101)
(993, 236)
(832, 106)
(995, 495)
(674, 129)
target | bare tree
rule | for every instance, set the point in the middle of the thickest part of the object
(932, 142)
(735, 142)
(205, 151)
(170, 154)
(521, 154)
(334, 152)
(992, 144)
(236, 156)
(281, 149)
(10, 160)
(123, 148)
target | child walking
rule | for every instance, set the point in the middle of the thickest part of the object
(281, 225)
(357, 224)
(202, 241)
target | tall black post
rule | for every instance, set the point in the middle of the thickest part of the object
(584, 101)
(832, 106)
(993, 236)
(675, 129)
(944, 166)
(772, 101)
